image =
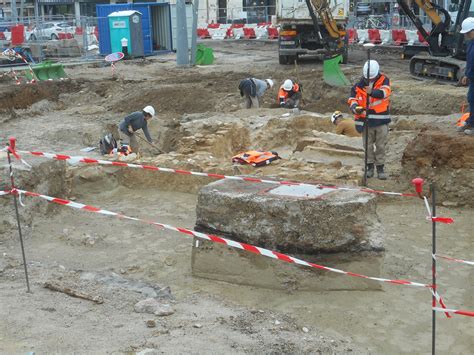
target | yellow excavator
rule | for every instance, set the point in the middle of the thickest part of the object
(445, 56)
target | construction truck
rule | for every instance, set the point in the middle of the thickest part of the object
(312, 27)
(445, 56)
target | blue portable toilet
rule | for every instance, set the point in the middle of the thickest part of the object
(156, 25)
(126, 24)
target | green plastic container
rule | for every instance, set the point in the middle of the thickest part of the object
(204, 55)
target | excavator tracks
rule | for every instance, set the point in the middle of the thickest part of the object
(444, 69)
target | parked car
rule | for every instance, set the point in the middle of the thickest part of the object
(363, 9)
(51, 30)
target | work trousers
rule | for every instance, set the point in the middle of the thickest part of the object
(470, 99)
(251, 101)
(377, 140)
(293, 101)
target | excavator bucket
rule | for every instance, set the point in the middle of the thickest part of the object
(48, 71)
(204, 55)
(332, 73)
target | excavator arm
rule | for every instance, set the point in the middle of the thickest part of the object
(323, 10)
(446, 58)
(439, 28)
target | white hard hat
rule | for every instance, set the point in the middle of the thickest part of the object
(335, 116)
(150, 110)
(269, 82)
(287, 85)
(467, 25)
(374, 69)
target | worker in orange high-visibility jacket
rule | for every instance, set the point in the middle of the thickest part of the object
(289, 95)
(377, 86)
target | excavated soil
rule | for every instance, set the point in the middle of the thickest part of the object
(446, 160)
(22, 97)
(200, 125)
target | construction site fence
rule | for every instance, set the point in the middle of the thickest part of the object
(260, 14)
(38, 33)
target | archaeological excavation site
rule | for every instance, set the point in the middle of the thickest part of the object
(183, 250)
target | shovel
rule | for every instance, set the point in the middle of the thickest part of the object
(332, 73)
(151, 144)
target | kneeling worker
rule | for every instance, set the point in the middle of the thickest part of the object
(132, 123)
(253, 90)
(345, 127)
(289, 95)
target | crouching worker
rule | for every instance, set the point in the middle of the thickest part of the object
(344, 126)
(253, 90)
(289, 95)
(134, 122)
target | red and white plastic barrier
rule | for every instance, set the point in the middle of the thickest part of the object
(398, 37)
(385, 37)
(237, 31)
(352, 35)
(363, 36)
(213, 238)
(374, 36)
(80, 159)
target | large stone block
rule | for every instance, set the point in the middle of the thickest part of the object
(331, 227)
(291, 218)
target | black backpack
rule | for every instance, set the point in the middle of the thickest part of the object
(107, 144)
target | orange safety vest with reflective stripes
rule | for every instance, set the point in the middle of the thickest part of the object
(283, 95)
(379, 102)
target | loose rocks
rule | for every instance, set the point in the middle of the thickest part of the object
(151, 305)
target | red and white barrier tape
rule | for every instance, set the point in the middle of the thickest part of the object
(14, 152)
(455, 311)
(11, 54)
(445, 220)
(439, 299)
(454, 259)
(216, 239)
(79, 159)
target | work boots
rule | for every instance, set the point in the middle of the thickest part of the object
(380, 173)
(370, 170)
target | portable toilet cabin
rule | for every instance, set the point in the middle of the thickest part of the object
(126, 24)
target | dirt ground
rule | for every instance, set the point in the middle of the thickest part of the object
(200, 125)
